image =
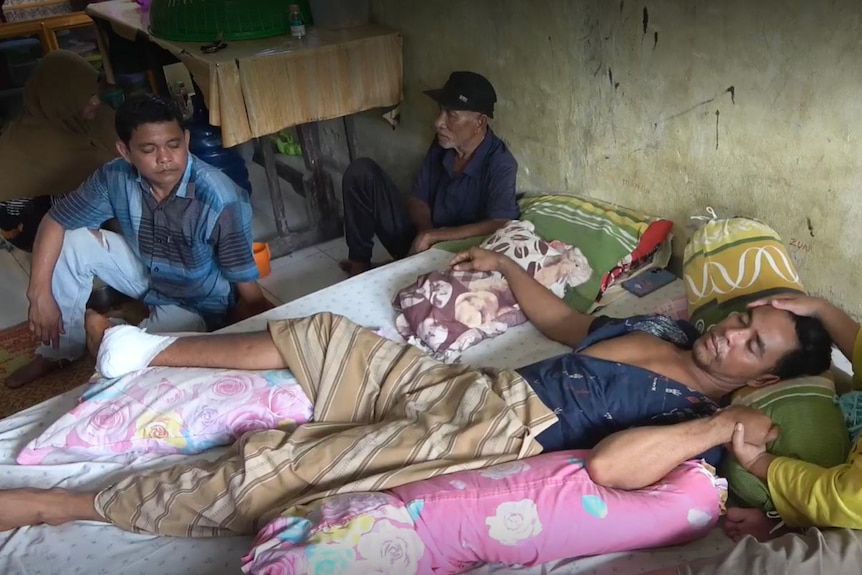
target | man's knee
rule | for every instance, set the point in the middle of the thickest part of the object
(78, 249)
(77, 243)
(359, 171)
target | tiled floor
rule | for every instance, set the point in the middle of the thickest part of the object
(292, 276)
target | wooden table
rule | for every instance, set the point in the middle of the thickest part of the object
(256, 88)
(46, 28)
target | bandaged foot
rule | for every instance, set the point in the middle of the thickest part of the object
(126, 348)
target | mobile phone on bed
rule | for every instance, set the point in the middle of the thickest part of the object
(648, 282)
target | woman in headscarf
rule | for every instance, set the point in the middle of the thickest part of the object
(61, 137)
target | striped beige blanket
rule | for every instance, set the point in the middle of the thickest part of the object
(385, 414)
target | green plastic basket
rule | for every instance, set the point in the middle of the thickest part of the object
(207, 20)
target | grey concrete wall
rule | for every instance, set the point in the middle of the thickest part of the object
(752, 107)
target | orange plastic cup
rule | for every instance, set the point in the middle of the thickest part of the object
(262, 258)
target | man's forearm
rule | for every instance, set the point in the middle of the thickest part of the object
(419, 213)
(638, 457)
(250, 301)
(483, 228)
(548, 313)
(46, 252)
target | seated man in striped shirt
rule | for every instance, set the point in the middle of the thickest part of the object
(183, 247)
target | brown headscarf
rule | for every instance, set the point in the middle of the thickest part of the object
(51, 149)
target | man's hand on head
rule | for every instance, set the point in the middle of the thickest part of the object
(797, 304)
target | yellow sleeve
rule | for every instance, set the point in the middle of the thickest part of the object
(808, 495)
(857, 362)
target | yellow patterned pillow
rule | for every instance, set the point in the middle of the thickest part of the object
(732, 262)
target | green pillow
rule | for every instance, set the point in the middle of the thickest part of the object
(812, 430)
(607, 234)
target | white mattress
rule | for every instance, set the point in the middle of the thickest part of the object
(98, 549)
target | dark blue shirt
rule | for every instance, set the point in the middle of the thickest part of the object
(484, 190)
(595, 398)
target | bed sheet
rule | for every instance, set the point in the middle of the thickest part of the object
(97, 549)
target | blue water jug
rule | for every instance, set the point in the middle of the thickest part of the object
(206, 144)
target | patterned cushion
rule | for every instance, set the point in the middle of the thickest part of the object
(520, 513)
(613, 239)
(162, 410)
(450, 311)
(729, 263)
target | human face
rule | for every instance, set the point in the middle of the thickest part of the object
(455, 128)
(160, 152)
(92, 108)
(745, 348)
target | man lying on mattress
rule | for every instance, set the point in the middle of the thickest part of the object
(385, 414)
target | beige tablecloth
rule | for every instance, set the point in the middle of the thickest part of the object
(258, 87)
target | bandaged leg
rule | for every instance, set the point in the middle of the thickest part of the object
(131, 349)
(126, 348)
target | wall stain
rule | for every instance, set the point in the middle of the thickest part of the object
(732, 91)
(622, 3)
(654, 40)
(611, 77)
(717, 113)
(687, 110)
(646, 19)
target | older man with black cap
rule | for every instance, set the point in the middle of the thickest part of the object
(465, 188)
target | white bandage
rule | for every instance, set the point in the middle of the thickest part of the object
(127, 348)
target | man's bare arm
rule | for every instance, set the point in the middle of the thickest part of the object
(637, 457)
(483, 228)
(44, 316)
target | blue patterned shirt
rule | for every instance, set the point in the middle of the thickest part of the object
(195, 243)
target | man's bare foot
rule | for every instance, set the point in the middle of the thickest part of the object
(740, 522)
(38, 368)
(22, 507)
(95, 324)
(352, 268)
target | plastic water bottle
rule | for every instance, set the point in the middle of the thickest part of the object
(183, 100)
(297, 26)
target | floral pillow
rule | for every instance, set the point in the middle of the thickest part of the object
(165, 410)
(520, 513)
(449, 311)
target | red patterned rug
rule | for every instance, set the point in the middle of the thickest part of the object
(17, 347)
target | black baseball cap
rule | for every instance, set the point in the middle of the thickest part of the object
(466, 91)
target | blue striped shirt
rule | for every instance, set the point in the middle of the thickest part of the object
(195, 243)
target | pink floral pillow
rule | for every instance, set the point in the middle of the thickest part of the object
(164, 410)
(525, 513)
